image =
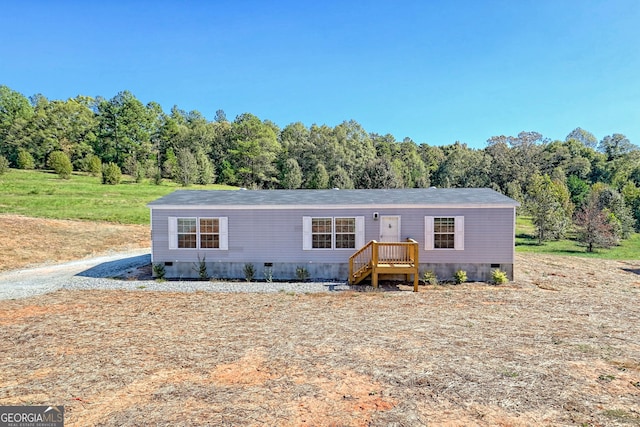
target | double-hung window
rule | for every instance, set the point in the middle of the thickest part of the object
(442, 232)
(198, 233)
(333, 232)
(187, 233)
(345, 233)
(322, 233)
(210, 233)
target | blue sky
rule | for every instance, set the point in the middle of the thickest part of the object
(434, 71)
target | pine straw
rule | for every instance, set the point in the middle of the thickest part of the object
(559, 347)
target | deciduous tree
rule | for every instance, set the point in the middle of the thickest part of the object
(593, 227)
(550, 207)
(616, 145)
(610, 201)
(187, 172)
(206, 172)
(291, 176)
(380, 173)
(584, 137)
(15, 111)
(320, 177)
(340, 179)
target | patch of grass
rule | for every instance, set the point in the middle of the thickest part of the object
(621, 415)
(42, 194)
(526, 242)
(585, 348)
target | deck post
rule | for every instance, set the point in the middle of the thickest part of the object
(415, 249)
(351, 278)
(374, 264)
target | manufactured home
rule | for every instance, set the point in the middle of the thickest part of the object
(346, 235)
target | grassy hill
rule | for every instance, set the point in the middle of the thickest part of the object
(44, 195)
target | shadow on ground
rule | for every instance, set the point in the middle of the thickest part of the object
(117, 268)
(383, 286)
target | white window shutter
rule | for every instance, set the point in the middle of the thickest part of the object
(223, 227)
(306, 233)
(428, 233)
(173, 232)
(459, 237)
(359, 232)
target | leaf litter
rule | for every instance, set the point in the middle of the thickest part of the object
(559, 346)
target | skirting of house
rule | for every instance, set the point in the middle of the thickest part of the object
(321, 271)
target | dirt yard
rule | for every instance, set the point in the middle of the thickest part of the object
(560, 346)
(28, 241)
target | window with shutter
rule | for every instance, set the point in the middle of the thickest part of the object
(198, 233)
(332, 233)
(444, 233)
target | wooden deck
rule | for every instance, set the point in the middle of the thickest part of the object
(377, 258)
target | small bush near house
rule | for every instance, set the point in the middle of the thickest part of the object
(460, 276)
(429, 276)
(302, 274)
(268, 274)
(202, 268)
(499, 277)
(111, 174)
(249, 272)
(159, 271)
(25, 160)
(60, 163)
(4, 165)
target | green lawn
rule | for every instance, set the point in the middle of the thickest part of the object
(45, 195)
(526, 242)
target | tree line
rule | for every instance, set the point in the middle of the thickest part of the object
(555, 180)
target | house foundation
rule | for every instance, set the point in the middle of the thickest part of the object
(320, 271)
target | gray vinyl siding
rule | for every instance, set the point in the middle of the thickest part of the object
(266, 235)
(488, 237)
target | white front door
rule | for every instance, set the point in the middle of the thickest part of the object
(389, 228)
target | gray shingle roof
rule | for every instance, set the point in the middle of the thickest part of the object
(415, 196)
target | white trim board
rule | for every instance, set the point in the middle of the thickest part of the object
(331, 207)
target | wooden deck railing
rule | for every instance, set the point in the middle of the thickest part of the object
(385, 258)
(360, 262)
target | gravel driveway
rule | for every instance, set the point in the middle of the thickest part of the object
(99, 273)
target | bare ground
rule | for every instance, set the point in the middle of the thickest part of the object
(560, 346)
(28, 241)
